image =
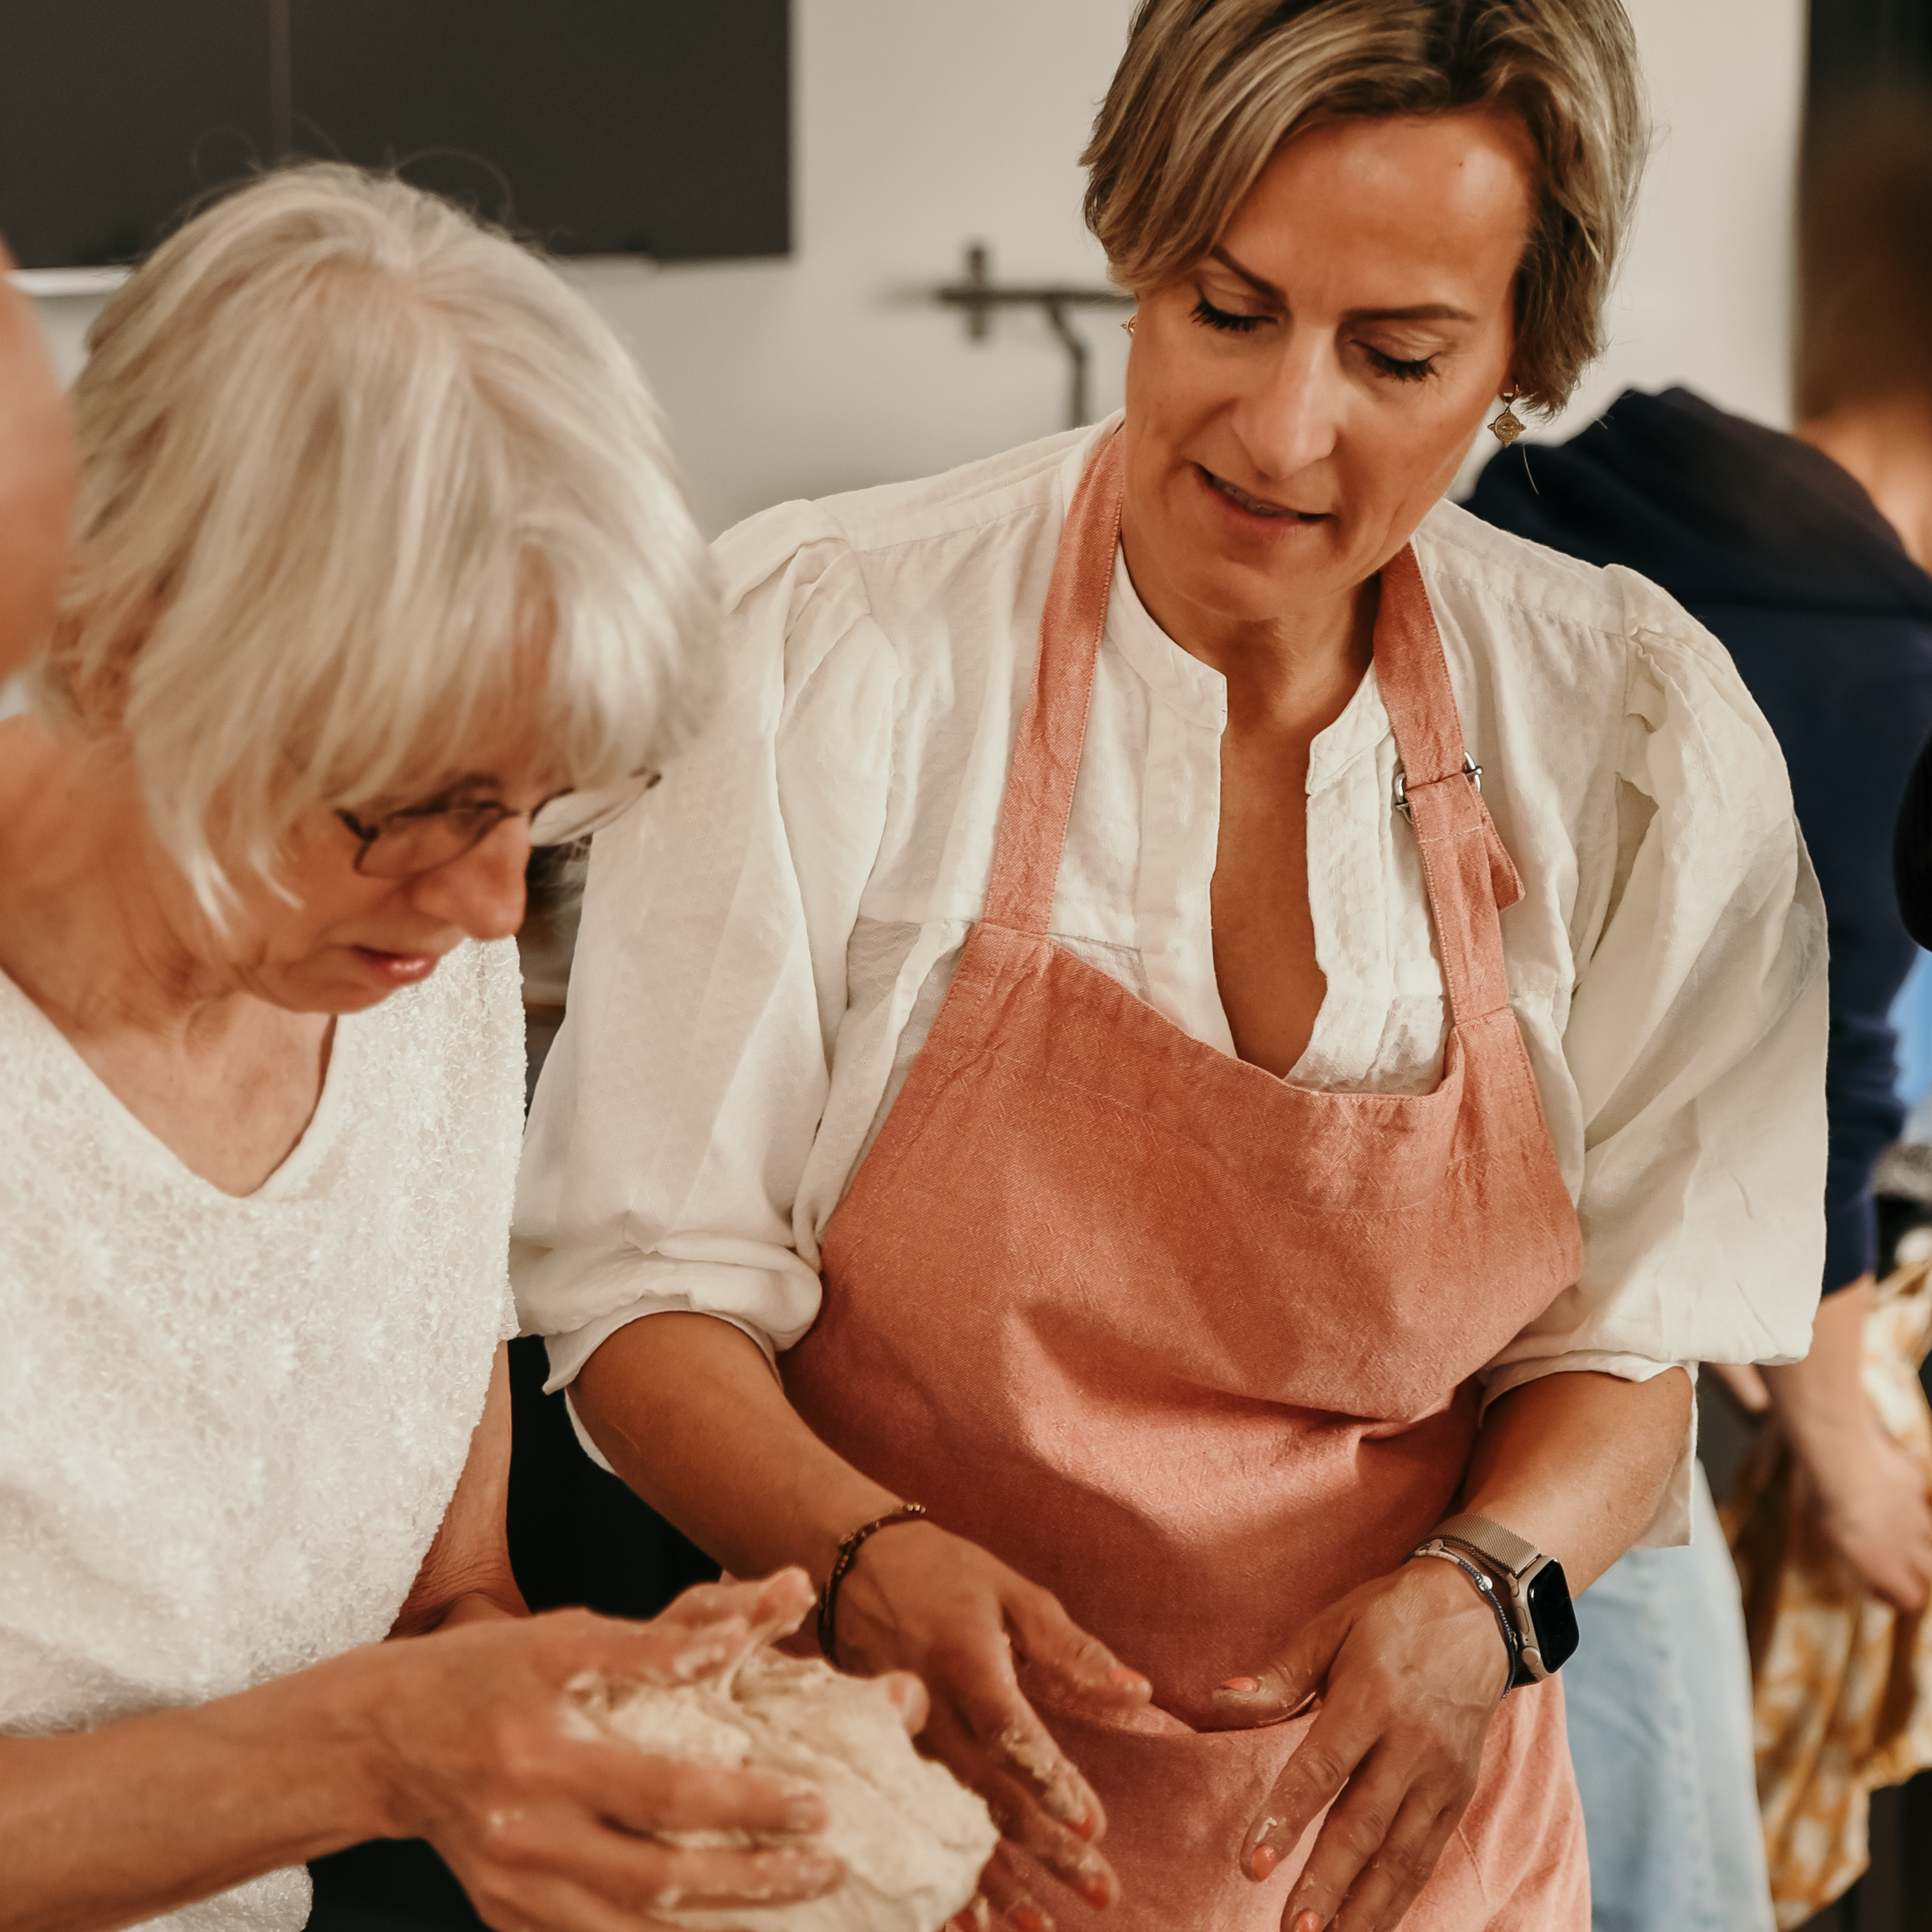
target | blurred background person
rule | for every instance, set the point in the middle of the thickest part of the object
(381, 575)
(1805, 554)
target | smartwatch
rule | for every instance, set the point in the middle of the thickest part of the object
(1530, 1588)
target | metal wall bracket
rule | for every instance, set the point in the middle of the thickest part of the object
(978, 295)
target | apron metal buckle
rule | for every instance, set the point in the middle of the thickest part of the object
(1471, 771)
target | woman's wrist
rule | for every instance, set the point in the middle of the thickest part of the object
(849, 1548)
(1487, 1589)
(350, 1711)
(1454, 1589)
(845, 1508)
(1820, 1401)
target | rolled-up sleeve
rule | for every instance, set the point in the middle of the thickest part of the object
(1695, 1044)
(678, 1107)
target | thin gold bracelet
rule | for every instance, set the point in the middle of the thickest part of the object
(848, 1552)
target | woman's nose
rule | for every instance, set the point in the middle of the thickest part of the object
(1290, 419)
(483, 891)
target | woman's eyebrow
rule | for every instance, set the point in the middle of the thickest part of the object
(1259, 283)
(1415, 312)
(1419, 312)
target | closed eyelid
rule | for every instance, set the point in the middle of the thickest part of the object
(1237, 296)
(1404, 351)
(1231, 319)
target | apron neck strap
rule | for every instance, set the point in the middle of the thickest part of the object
(1039, 788)
(1464, 866)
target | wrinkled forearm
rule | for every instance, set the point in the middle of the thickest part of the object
(1577, 1463)
(107, 1828)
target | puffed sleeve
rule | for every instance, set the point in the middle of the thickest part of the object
(678, 1106)
(1696, 1043)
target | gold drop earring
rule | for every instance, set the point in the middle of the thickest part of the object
(1509, 425)
(1129, 324)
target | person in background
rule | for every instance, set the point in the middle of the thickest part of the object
(1806, 555)
(39, 470)
(381, 575)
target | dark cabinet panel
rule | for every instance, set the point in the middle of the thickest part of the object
(115, 113)
(618, 126)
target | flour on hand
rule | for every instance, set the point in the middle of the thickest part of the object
(913, 1839)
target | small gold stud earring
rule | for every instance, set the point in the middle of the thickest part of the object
(1129, 324)
(1509, 425)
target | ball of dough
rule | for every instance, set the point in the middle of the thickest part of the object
(913, 1838)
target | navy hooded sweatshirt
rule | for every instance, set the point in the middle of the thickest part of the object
(1780, 554)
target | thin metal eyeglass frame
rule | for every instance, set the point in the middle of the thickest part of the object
(492, 815)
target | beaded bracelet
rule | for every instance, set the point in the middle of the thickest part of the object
(848, 1552)
(1512, 1636)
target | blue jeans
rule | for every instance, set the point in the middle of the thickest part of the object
(1659, 1701)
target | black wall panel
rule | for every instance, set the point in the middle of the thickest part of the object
(655, 126)
(113, 114)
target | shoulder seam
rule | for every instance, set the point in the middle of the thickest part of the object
(1513, 602)
(859, 550)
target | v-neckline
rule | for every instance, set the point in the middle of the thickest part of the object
(318, 1134)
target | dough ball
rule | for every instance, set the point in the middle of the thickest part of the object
(913, 1839)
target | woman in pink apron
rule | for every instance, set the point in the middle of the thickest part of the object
(1164, 1110)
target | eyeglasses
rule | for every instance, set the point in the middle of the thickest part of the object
(406, 843)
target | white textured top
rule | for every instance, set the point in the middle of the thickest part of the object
(228, 1428)
(766, 939)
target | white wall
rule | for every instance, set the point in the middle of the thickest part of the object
(921, 125)
(1705, 297)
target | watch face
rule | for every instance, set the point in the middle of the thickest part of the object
(1552, 1614)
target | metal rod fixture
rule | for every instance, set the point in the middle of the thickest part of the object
(978, 295)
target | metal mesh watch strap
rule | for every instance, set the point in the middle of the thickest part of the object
(1502, 1547)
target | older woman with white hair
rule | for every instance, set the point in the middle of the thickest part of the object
(381, 577)
(1233, 1026)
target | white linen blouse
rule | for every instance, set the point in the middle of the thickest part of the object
(767, 938)
(230, 1428)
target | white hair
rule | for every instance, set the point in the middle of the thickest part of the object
(350, 460)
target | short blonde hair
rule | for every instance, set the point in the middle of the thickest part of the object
(1209, 89)
(349, 456)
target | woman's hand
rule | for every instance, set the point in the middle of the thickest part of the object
(1870, 1496)
(1408, 1669)
(548, 1831)
(918, 1599)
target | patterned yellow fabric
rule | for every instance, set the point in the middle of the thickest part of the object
(1837, 1676)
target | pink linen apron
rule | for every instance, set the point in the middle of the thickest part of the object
(1188, 1346)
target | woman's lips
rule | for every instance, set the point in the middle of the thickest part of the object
(398, 969)
(1255, 506)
